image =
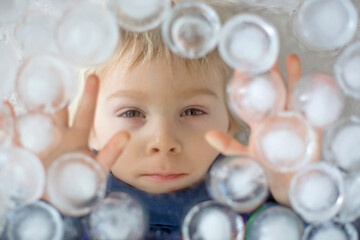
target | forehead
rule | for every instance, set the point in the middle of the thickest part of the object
(160, 75)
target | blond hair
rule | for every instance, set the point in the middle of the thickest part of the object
(143, 47)
(146, 46)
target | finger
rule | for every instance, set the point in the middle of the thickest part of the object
(239, 74)
(15, 140)
(62, 117)
(10, 107)
(85, 115)
(108, 155)
(293, 69)
(225, 144)
(275, 68)
(279, 184)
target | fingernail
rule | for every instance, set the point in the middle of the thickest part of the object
(215, 143)
(123, 140)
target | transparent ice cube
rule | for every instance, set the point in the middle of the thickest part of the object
(38, 221)
(317, 192)
(12, 10)
(312, 96)
(118, 216)
(238, 182)
(191, 29)
(347, 70)
(6, 204)
(249, 43)
(325, 24)
(285, 142)
(38, 132)
(340, 144)
(88, 34)
(212, 221)
(330, 231)
(9, 64)
(140, 15)
(60, 6)
(254, 98)
(274, 223)
(350, 210)
(36, 33)
(22, 175)
(46, 82)
(76, 183)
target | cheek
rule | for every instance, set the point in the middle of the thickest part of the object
(130, 162)
(222, 120)
(104, 125)
(219, 122)
(200, 153)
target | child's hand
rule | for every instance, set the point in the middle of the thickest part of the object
(76, 137)
(278, 182)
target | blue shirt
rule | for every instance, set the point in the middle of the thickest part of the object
(166, 211)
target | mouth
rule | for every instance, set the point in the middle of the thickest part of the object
(164, 177)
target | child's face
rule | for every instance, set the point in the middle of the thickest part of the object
(167, 118)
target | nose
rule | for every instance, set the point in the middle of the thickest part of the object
(164, 141)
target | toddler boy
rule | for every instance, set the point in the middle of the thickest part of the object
(172, 108)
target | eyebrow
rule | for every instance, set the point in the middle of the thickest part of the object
(128, 93)
(185, 94)
(198, 91)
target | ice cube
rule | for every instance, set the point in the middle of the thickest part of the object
(249, 45)
(261, 94)
(345, 147)
(88, 34)
(317, 192)
(331, 233)
(214, 225)
(283, 147)
(36, 132)
(38, 221)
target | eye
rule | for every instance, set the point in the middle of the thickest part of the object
(192, 112)
(132, 114)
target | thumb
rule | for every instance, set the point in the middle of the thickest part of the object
(114, 147)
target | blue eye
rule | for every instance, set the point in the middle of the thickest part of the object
(192, 112)
(132, 114)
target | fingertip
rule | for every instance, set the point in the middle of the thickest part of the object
(215, 143)
(209, 135)
(93, 77)
(292, 59)
(292, 56)
(275, 67)
(122, 139)
(238, 74)
(112, 150)
(92, 80)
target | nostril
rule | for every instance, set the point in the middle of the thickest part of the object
(156, 150)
